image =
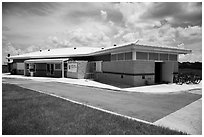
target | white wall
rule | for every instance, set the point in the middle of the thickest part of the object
(175, 63)
(98, 66)
(141, 66)
(167, 71)
(20, 66)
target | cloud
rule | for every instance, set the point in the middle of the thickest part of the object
(193, 57)
(147, 15)
(167, 35)
(120, 32)
(190, 32)
(5, 28)
(9, 48)
(28, 8)
(80, 37)
(104, 14)
(53, 39)
(94, 36)
(114, 15)
(132, 13)
(177, 13)
(130, 37)
(111, 23)
(33, 26)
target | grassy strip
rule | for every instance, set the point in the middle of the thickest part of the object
(28, 112)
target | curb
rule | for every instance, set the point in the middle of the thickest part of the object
(116, 90)
(112, 90)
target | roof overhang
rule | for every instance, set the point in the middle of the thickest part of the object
(108, 50)
(142, 48)
(174, 50)
(47, 56)
(59, 60)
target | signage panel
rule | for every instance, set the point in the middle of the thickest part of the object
(72, 67)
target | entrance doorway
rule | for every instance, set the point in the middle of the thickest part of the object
(158, 72)
(50, 69)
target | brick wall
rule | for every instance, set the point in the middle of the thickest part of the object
(118, 66)
(131, 72)
(114, 78)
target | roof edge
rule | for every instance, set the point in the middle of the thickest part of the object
(131, 46)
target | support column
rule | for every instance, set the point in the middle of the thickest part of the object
(62, 69)
(25, 68)
(148, 56)
(133, 55)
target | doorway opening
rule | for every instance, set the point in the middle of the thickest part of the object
(50, 69)
(158, 72)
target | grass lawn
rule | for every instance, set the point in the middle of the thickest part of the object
(28, 112)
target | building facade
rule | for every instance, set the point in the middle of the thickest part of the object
(130, 64)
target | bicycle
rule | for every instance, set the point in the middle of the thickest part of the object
(186, 78)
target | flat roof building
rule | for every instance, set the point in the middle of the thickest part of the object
(131, 64)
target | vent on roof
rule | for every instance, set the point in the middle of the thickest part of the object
(102, 48)
(48, 50)
(40, 50)
(114, 45)
(74, 47)
(137, 41)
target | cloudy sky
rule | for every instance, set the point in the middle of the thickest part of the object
(30, 27)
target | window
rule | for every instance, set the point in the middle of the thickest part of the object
(58, 66)
(65, 66)
(121, 56)
(27, 66)
(172, 57)
(141, 55)
(48, 67)
(163, 56)
(153, 56)
(113, 57)
(128, 56)
(32, 67)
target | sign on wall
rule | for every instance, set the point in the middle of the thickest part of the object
(72, 67)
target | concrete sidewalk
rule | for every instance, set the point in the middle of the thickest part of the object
(187, 119)
(149, 107)
(157, 89)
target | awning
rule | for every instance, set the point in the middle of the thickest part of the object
(58, 60)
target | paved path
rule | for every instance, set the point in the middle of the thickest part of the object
(153, 89)
(149, 107)
(174, 110)
(187, 119)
